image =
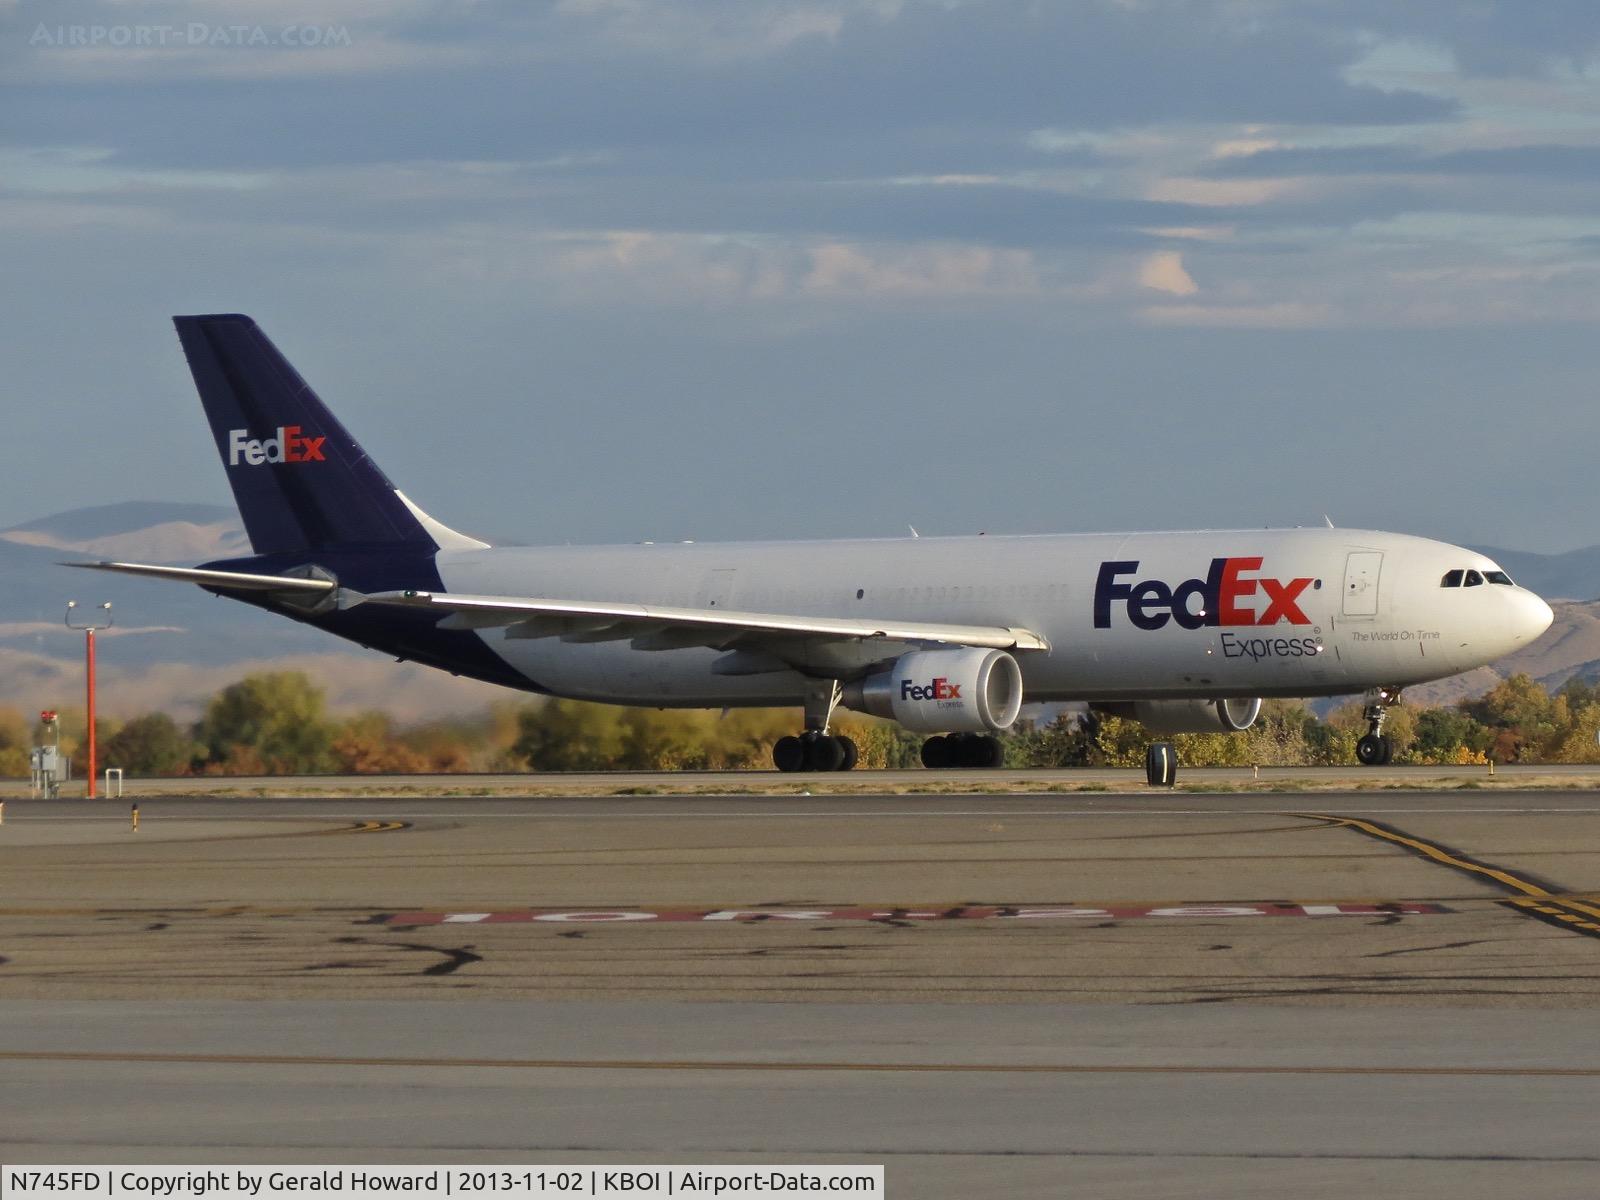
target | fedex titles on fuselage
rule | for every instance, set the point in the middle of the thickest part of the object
(1219, 599)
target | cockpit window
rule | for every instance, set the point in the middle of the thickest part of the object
(1473, 579)
(1499, 577)
(1452, 579)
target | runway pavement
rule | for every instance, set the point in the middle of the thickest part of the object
(1015, 1101)
(584, 783)
(1235, 994)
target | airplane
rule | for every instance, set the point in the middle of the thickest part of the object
(948, 636)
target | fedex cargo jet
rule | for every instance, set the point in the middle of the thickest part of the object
(948, 636)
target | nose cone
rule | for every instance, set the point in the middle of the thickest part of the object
(1530, 616)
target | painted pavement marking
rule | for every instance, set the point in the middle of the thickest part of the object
(1070, 912)
(651, 1064)
(1538, 898)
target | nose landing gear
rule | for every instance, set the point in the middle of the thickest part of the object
(1374, 749)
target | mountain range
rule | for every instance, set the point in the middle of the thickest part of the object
(172, 647)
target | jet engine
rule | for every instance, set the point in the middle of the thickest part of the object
(1189, 716)
(944, 691)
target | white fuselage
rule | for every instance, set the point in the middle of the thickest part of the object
(1324, 612)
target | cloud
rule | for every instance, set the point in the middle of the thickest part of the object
(1576, 163)
(1163, 272)
(1219, 193)
(1496, 38)
(925, 272)
(1290, 314)
(647, 212)
(520, 81)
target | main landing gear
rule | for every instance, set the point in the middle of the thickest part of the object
(816, 749)
(813, 751)
(1374, 749)
(962, 750)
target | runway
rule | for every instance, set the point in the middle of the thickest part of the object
(1235, 994)
(864, 782)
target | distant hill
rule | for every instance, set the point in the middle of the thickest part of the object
(103, 520)
(139, 529)
(173, 645)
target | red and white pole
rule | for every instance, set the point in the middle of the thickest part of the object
(88, 654)
(89, 627)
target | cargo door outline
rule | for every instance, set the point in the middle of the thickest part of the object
(1363, 570)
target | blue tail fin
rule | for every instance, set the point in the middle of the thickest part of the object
(301, 481)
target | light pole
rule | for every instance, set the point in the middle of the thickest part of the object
(89, 629)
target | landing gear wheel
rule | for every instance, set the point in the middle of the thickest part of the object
(979, 752)
(938, 753)
(823, 753)
(851, 754)
(962, 750)
(1374, 750)
(1161, 764)
(789, 754)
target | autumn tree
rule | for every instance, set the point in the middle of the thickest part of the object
(151, 744)
(1521, 715)
(16, 737)
(272, 722)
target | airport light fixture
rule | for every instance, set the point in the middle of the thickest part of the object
(89, 627)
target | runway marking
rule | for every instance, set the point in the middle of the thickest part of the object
(1032, 912)
(372, 827)
(1438, 853)
(1539, 900)
(614, 1064)
(1544, 910)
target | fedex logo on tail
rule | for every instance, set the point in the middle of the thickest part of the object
(1221, 598)
(289, 445)
(939, 689)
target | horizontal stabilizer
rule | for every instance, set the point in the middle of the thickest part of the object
(232, 580)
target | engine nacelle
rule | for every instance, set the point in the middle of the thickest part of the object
(1190, 716)
(944, 691)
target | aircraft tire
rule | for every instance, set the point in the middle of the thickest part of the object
(938, 754)
(851, 754)
(789, 754)
(1161, 764)
(824, 753)
(1374, 750)
(991, 753)
(976, 751)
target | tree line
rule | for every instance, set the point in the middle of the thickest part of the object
(278, 723)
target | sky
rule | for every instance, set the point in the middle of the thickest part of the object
(618, 270)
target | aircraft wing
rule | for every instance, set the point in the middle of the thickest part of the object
(758, 642)
(804, 642)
